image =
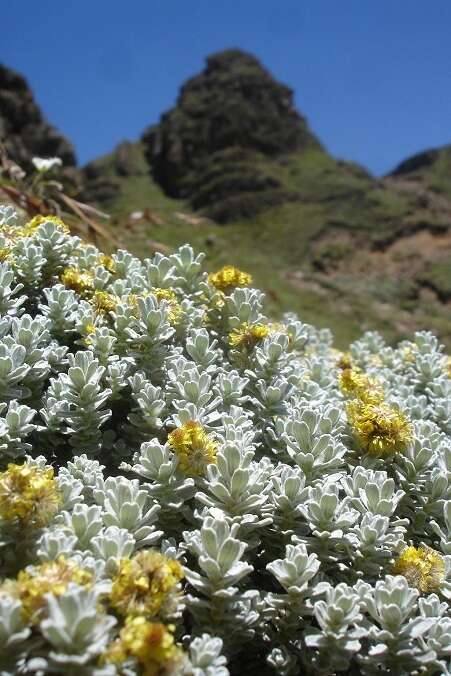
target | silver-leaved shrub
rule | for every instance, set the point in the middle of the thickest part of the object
(189, 488)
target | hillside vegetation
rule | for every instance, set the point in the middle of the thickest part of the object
(349, 252)
(234, 169)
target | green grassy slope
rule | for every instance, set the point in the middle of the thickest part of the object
(432, 168)
(314, 255)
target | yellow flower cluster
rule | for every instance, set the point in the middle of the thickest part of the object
(83, 283)
(107, 262)
(104, 302)
(5, 253)
(146, 584)
(248, 335)
(379, 428)
(29, 494)
(228, 278)
(80, 281)
(175, 311)
(143, 589)
(87, 332)
(30, 228)
(423, 568)
(194, 448)
(11, 235)
(344, 360)
(354, 383)
(34, 582)
(150, 643)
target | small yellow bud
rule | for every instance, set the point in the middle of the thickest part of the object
(248, 335)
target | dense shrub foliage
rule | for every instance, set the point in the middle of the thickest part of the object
(189, 488)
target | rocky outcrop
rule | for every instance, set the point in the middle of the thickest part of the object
(103, 176)
(416, 162)
(211, 147)
(24, 131)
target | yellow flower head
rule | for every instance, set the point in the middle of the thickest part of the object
(132, 300)
(29, 494)
(379, 428)
(248, 335)
(194, 448)
(107, 262)
(175, 311)
(423, 568)
(354, 383)
(351, 381)
(164, 294)
(5, 253)
(344, 361)
(81, 282)
(30, 228)
(228, 278)
(103, 302)
(150, 643)
(52, 577)
(146, 584)
(88, 331)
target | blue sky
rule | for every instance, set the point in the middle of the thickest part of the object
(373, 77)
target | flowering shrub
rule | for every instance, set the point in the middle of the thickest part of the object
(188, 488)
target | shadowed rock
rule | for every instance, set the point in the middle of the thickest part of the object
(23, 130)
(211, 147)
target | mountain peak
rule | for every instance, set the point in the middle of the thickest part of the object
(224, 116)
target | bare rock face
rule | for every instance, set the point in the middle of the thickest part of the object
(226, 120)
(23, 130)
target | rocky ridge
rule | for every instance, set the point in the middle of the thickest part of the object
(210, 147)
(24, 131)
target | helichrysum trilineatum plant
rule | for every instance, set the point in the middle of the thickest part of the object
(187, 487)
